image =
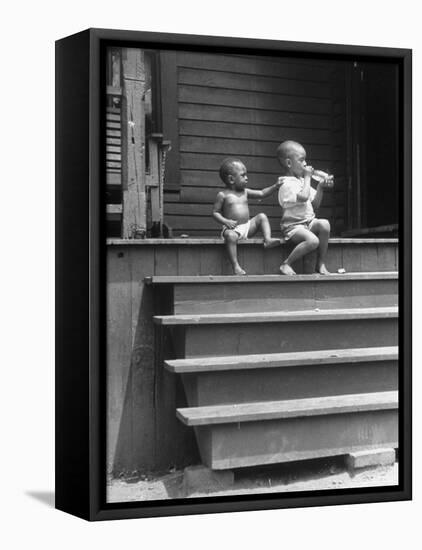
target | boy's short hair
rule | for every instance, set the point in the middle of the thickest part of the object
(285, 148)
(226, 168)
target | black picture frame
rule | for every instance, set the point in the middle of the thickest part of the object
(80, 277)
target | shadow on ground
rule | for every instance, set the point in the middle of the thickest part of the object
(45, 497)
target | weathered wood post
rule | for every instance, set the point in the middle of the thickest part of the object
(133, 144)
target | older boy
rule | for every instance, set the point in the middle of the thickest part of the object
(232, 211)
(298, 200)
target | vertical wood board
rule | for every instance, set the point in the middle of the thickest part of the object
(133, 141)
(119, 348)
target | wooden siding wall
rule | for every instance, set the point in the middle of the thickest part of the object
(340, 214)
(245, 106)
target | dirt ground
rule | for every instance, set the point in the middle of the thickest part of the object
(317, 475)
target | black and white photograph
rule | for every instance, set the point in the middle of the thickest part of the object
(210, 299)
(252, 215)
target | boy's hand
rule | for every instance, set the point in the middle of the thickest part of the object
(231, 224)
(307, 171)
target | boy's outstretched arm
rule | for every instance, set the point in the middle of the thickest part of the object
(262, 193)
(318, 197)
(217, 212)
(327, 184)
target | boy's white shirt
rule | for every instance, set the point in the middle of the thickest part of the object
(294, 211)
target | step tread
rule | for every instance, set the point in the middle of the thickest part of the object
(271, 360)
(192, 279)
(270, 410)
(218, 241)
(279, 316)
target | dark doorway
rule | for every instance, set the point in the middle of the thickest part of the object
(375, 145)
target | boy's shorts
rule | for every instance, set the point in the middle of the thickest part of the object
(242, 230)
(289, 231)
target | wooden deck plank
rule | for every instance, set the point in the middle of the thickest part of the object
(278, 316)
(219, 241)
(235, 279)
(292, 408)
(271, 360)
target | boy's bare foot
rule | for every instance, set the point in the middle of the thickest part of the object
(323, 270)
(271, 243)
(287, 270)
(239, 271)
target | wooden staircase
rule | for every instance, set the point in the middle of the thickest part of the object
(278, 368)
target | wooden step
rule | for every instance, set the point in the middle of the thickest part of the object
(292, 408)
(226, 294)
(237, 436)
(272, 360)
(205, 256)
(279, 316)
(278, 376)
(246, 279)
(202, 241)
(279, 332)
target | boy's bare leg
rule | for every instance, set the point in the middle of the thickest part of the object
(231, 238)
(305, 242)
(260, 221)
(321, 228)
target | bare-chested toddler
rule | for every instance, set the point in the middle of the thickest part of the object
(232, 211)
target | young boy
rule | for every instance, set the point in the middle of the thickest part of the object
(232, 211)
(298, 200)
